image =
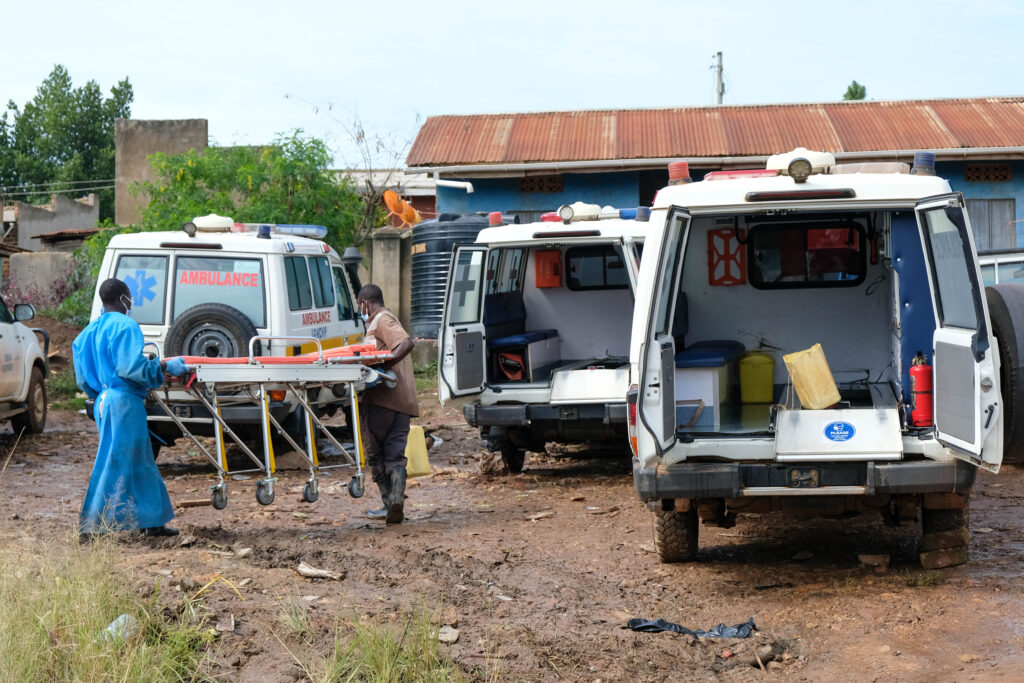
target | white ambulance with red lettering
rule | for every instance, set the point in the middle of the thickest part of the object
(212, 287)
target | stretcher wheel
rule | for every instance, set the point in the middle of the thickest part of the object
(356, 488)
(219, 498)
(310, 492)
(264, 494)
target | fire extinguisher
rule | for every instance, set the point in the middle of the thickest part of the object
(920, 392)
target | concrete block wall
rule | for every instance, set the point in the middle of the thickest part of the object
(136, 139)
(61, 213)
(42, 275)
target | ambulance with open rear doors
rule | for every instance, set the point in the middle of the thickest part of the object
(876, 263)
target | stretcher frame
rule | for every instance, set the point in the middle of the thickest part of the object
(217, 383)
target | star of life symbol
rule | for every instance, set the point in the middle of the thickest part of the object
(141, 287)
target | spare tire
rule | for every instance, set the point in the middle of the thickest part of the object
(212, 331)
(1006, 309)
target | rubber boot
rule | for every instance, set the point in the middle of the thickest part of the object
(396, 503)
(384, 485)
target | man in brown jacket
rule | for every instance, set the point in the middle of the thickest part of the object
(385, 413)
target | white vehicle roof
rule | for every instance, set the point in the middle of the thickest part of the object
(542, 231)
(245, 242)
(897, 189)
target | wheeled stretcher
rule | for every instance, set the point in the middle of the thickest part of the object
(216, 383)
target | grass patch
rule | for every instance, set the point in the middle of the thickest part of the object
(61, 386)
(58, 600)
(382, 654)
(73, 404)
(923, 579)
(426, 376)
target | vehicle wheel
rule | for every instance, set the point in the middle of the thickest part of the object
(219, 498)
(675, 535)
(310, 492)
(513, 456)
(356, 489)
(264, 494)
(1006, 309)
(211, 330)
(34, 419)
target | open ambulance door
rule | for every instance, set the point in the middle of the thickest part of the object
(656, 403)
(461, 352)
(968, 415)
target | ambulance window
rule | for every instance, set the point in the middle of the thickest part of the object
(345, 308)
(297, 278)
(323, 288)
(493, 260)
(206, 279)
(806, 255)
(511, 277)
(1008, 272)
(464, 305)
(956, 294)
(597, 267)
(146, 277)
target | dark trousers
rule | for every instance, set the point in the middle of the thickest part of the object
(385, 433)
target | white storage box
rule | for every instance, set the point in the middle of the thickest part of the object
(708, 385)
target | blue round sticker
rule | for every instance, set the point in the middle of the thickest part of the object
(839, 431)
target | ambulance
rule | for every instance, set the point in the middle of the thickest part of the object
(873, 264)
(534, 339)
(218, 288)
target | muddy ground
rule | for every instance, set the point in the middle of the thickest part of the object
(544, 568)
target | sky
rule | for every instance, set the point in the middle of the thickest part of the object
(257, 69)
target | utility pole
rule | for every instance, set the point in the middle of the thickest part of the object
(719, 85)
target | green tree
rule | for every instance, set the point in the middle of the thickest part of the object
(855, 91)
(62, 139)
(286, 182)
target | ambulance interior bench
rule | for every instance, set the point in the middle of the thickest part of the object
(516, 354)
(705, 376)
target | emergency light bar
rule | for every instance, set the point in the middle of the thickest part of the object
(317, 232)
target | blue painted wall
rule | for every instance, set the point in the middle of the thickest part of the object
(630, 188)
(619, 189)
(1011, 189)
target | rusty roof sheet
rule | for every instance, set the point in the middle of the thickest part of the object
(732, 131)
(64, 235)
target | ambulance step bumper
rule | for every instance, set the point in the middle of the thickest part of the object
(738, 480)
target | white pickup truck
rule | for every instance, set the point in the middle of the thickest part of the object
(23, 370)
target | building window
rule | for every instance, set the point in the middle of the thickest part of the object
(540, 184)
(992, 221)
(991, 173)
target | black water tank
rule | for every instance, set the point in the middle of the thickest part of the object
(432, 244)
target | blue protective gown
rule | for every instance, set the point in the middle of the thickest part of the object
(125, 490)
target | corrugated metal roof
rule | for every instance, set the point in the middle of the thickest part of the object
(732, 131)
(62, 235)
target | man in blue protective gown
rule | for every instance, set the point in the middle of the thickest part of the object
(125, 490)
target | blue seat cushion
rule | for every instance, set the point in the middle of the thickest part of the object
(522, 339)
(709, 354)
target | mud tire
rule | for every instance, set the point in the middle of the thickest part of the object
(212, 330)
(675, 535)
(1006, 310)
(33, 420)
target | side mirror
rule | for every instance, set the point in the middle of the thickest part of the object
(23, 312)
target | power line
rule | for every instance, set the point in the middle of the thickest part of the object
(56, 182)
(74, 189)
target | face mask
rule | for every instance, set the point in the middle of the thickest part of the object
(365, 318)
(126, 301)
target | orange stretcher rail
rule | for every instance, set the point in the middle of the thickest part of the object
(365, 354)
